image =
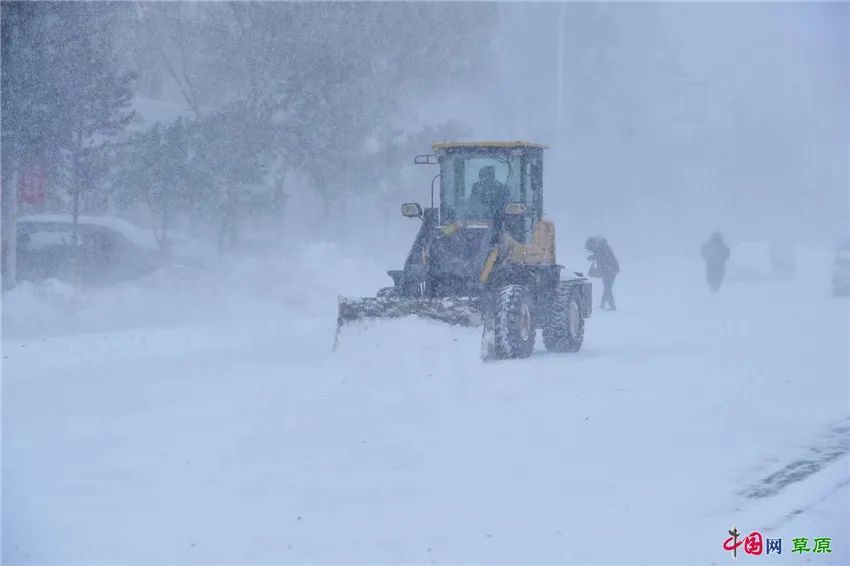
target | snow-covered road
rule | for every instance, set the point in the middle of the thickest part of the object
(684, 415)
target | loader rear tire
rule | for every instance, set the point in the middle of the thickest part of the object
(563, 330)
(514, 328)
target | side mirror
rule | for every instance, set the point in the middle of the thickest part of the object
(411, 210)
(515, 209)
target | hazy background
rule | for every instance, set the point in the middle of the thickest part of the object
(676, 119)
(667, 121)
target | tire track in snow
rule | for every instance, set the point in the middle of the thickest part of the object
(811, 505)
(835, 444)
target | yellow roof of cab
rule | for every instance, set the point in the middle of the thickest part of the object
(436, 146)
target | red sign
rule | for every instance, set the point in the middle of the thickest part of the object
(31, 187)
(753, 543)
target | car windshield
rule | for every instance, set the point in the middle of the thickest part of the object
(475, 186)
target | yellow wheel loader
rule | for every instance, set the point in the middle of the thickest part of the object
(485, 255)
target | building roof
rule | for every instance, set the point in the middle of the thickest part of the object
(437, 146)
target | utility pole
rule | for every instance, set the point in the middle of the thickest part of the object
(560, 74)
(9, 230)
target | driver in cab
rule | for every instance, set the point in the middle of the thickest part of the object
(489, 196)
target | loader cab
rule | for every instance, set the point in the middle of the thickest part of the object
(478, 180)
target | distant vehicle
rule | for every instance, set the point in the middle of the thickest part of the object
(762, 261)
(109, 250)
(841, 269)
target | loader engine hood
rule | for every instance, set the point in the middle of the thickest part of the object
(456, 257)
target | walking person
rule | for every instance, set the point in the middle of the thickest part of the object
(715, 252)
(604, 266)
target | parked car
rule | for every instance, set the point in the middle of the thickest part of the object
(108, 249)
(841, 269)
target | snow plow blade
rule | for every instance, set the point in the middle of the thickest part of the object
(460, 311)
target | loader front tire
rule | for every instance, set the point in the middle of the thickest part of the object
(513, 328)
(563, 329)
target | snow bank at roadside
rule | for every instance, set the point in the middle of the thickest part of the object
(304, 283)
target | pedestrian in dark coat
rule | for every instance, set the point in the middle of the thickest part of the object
(715, 252)
(605, 266)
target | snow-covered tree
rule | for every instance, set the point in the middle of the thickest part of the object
(319, 78)
(92, 94)
(64, 97)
